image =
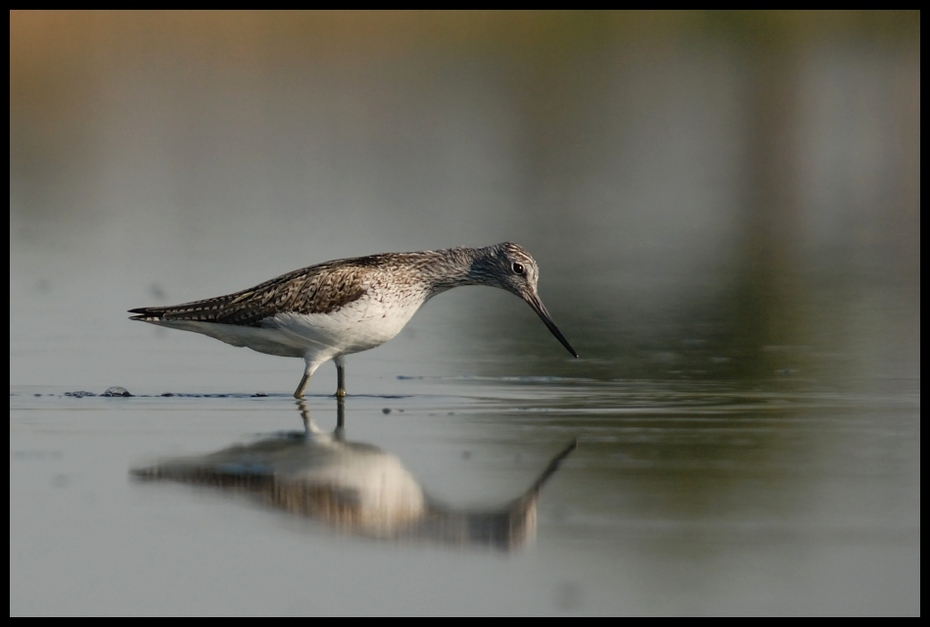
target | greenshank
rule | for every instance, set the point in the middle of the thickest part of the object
(337, 308)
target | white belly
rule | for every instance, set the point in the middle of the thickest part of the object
(358, 326)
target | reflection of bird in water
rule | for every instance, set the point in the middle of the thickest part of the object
(347, 306)
(357, 488)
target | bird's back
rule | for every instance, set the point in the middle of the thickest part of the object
(322, 288)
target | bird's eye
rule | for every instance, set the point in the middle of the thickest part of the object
(517, 267)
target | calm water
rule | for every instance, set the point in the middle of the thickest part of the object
(728, 234)
(679, 498)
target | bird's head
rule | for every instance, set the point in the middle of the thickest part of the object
(509, 266)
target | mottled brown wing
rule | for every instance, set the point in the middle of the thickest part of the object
(317, 289)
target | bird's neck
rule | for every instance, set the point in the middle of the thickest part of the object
(450, 268)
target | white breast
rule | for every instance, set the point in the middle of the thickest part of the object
(360, 325)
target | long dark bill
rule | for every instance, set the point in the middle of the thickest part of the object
(540, 310)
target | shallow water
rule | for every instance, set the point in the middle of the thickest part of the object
(679, 498)
(727, 233)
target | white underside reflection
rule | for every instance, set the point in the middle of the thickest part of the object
(354, 487)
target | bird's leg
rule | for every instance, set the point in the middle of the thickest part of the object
(340, 377)
(312, 365)
(299, 392)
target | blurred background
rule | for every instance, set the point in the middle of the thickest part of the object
(739, 181)
(728, 200)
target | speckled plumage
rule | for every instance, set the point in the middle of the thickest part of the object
(340, 307)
